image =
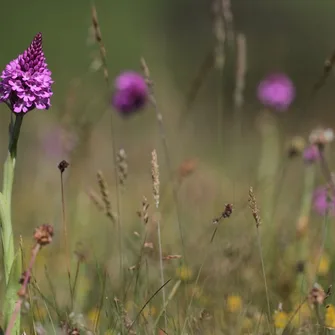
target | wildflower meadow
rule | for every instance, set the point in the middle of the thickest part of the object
(167, 168)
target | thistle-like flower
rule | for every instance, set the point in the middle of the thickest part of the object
(131, 93)
(26, 80)
(276, 91)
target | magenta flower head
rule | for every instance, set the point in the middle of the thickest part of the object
(131, 93)
(323, 202)
(276, 91)
(311, 154)
(26, 80)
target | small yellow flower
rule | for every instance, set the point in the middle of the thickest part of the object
(280, 319)
(184, 273)
(324, 265)
(234, 303)
(330, 316)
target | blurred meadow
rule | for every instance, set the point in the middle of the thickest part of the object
(216, 140)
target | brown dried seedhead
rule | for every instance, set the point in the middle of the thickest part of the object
(254, 207)
(43, 234)
(63, 165)
(143, 213)
(227, 212)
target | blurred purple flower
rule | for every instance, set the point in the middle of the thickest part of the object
(311, 154)
(58, 143)
(276, 91)
(321, 203)
(26, 80)
(131, 93)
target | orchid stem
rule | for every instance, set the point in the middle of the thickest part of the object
(12, 263)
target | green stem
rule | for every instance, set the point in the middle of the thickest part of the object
(12, 262)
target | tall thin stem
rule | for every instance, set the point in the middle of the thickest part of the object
(259, 242)
(156, 196)
(64, 223)
(257, 218)
(12, 266)
(161, 266)
(163, 138)
(103, 56)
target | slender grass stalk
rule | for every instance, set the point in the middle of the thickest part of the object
(165, 146)
(12, 262)
(62, 166)
(156, 195)
(161, 267)
(103, 56)
(259, 243)
(162, 133)
(256, 214)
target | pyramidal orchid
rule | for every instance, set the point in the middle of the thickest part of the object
(25, 85)
(26, 80)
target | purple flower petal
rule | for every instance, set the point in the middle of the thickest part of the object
(26, 81)
(131, 93)
(276, 91)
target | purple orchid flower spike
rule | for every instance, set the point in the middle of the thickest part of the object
(26, 80)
